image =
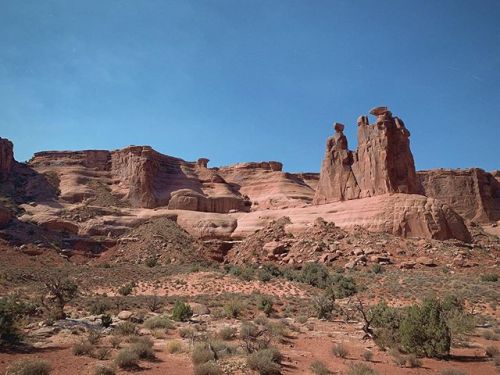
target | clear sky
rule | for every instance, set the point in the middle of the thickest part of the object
(250, 80)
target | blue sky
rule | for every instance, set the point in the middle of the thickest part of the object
(250, 80)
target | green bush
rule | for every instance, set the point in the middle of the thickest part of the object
(315, 274)
(377, 268)
(106, 320)
(174, 346)
(181, 312)
(265, 304)
(319, 368)
(12, 310)
(207, 368)
(265, 361)
(159, 322)
(102, 354)
(423, 330)
(60, 290)
(342, 286)
(268, 272)
(29, 367)
(127, 359)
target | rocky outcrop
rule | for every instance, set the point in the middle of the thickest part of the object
(186, 199)
(5, 216)
(268, 187)
(6, 157)
(405, 215)
(383, 162)
(472, 193)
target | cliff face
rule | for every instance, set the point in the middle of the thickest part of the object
(6, 157)
(472, 193)
(383, 162)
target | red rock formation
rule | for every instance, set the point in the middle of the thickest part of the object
(6, 157)
(383, 162)
(473, 193)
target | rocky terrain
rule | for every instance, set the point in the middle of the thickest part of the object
(134, 226)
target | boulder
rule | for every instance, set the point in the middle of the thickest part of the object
(5, 216)
(125, 315)
(426, 261)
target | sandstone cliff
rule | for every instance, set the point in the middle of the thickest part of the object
(473, 193)
(6, 157)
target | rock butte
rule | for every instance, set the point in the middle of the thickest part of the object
(375, 187)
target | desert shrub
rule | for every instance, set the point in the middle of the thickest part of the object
(340, 351)
(186, 332)
(268, 272)
(423, 330)
(115, 341)
(227, 333)
(261, 319)
(323, 306)
(253, 337)
(83, 348)
(202, 353)
(315, 274)
(367, 355)
(158, 322)
(126, 289)
(174, 346)
(361, 369)
(265, 304)
(99, 306)
(341, 286)
(127, 359)
(319, 368)
(207, 368)
(106, 320)
(265, 361)
(29, 367)
(181, 312)
(125, 328)
(385, 321)
(104, 370)
(154, 303)
(12, 310)
(232, 308)
(102, 353)
(377, 268)
(458, 320)
(151, 261)
(496, 360)
(489, 277)
(492, 351)
(452, 371)
(94, 337)
(143, 347)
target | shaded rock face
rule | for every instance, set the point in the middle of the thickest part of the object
(6, 157)
(472, 193)
(383, 162)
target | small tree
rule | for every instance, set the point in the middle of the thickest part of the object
(61, 290)
(424, 331)
(182, 312)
